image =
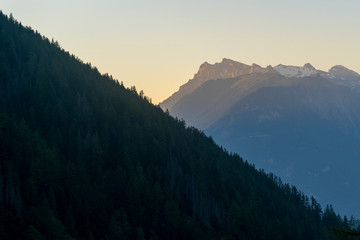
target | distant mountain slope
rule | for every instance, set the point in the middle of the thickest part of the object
(307, 133)
(225, 69)
(214, 99)
(301, 123)
(82, 157)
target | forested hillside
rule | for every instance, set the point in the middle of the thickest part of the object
(82, 157)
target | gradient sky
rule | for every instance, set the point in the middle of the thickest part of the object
(159, 45)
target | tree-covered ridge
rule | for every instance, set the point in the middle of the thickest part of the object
(82, 157)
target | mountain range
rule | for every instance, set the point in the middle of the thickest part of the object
(300, 123)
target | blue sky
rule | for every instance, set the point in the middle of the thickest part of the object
(159, 45)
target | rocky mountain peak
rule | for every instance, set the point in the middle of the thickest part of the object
(256, 68)
(341, 71)
(203, 67)
(309, 66)
(227, 68)
(343, 76)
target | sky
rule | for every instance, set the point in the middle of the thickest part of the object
(159, 45)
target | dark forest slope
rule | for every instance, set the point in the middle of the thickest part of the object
(81, 157)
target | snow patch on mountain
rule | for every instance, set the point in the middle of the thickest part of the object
(327, 75)
(338, 74)
(294, 71)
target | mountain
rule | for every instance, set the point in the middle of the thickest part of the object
(212, 100)
(300, 123)
(83, 157)
(226, 69)
(345, 77)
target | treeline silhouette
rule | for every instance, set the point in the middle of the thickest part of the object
(83, 157)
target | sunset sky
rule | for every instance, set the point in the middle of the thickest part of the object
(159, 45)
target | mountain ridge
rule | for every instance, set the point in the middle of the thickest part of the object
(225, 69)
(228, 68)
